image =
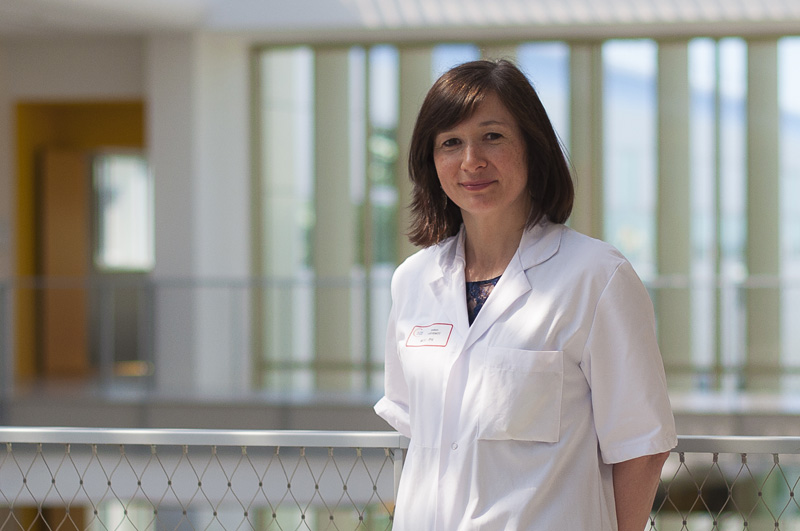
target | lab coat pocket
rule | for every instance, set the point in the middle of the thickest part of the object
(521, 395)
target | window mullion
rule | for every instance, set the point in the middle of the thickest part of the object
(335, 228)
(673, 255)
(763, 216)
(586, 136)
(415, 75)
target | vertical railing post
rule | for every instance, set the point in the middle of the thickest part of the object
(145, 333)
(107, 317)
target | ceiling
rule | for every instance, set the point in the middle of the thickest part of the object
(54, 17)
(63, 17)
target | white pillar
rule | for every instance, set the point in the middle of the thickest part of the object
(335, 229)
(222, 219)
(674, 213)
(416, 73)
(171, 94)
(586, 137)
(763, 214)
(198, 125)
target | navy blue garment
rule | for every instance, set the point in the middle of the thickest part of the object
(477, 293)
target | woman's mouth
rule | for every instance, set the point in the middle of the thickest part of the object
(476, 186)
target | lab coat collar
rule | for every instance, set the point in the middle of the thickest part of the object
(540, 243)
(445, 275)
(537, 245)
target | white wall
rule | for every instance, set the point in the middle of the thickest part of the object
(196, 92)
(75, 68)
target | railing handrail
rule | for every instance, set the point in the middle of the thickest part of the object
(127, 436)
(738, 444)
(337, 439)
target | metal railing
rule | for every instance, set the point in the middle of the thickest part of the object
(729, 483)
(89, 479)
(186, 479)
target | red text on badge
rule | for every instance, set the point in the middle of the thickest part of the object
(433, 335)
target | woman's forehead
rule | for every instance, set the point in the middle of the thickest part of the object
(497, 109)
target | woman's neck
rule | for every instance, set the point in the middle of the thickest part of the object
(489, 249)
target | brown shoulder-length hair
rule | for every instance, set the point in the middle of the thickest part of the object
(453, 98)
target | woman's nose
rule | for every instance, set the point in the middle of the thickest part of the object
(473, 158)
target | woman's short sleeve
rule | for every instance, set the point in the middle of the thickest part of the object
(623, 366)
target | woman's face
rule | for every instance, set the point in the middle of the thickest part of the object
(482, 165)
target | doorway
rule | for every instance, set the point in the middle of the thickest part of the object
(55, 230)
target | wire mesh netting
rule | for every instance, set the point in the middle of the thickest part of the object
(728, 491)
(92, 487)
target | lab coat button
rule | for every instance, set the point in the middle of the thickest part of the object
(454, 446)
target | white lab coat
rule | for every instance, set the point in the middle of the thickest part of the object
(515, 421)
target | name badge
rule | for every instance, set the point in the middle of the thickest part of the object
(433, 335)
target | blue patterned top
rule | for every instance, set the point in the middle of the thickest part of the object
(477, 293)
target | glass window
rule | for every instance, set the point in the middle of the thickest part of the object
(718, 86)
(629, 135)
(732, 190)
(717, 162)
(732, 66)
(287, 218)
(294, 290)
(446, 56)
(547, 66)
(703, 166)
(124, 213)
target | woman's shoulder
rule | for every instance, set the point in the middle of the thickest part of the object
(577, 244)
(590, 263)
(586, 256)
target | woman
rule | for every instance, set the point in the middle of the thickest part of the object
(521, 357)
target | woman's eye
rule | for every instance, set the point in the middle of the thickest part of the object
(450, 142)
(493, 136)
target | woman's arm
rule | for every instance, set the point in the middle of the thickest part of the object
(635, 485)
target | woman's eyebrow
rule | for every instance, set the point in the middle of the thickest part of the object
(492, 122)
(481, 124)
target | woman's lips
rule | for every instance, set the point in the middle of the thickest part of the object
(476, 186)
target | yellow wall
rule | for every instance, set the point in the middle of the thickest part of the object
(83, 125)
